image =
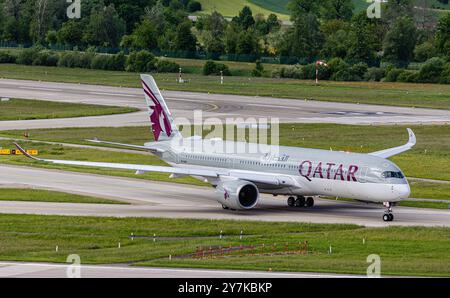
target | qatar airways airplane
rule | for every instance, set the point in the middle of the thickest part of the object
(239, 178)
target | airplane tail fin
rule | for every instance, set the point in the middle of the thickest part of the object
(163, 126)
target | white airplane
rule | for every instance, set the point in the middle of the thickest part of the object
(239, 179)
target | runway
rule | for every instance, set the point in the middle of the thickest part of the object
(213, 105)
(49, 270)
(170, 200)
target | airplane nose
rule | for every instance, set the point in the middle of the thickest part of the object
(402, 190)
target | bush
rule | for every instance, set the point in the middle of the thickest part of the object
(75, 59)
(359, 70)
(7, 57)
(408, 76)
(393, 74)
(85, 59)
(308, 72)
(46, 58)
(194, 6)
(213, 68)
(27, 56)
(104, 62)
(167, 66)
(431, 71)
(337, 64)
(291, 71)
(374, 74)
(445, 75)
(142, 61)
(424, 51)
(258, 70)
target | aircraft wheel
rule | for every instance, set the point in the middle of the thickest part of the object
(391, 217)
(386, 217)
(300, 202)
(309, 202)
(291, 201)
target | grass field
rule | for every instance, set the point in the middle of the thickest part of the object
(231, 8)
(36, 195)
(393, 94)
(195, 66)
(403, 251)
(27, 109)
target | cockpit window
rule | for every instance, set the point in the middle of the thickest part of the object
(390, 174)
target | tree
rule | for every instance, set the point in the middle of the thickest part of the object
(273, 23)
(185, 40)
(337, 9)
(300, 8)
(304, 40)
(143, 37)
(443, 35)
(45, 15)
(336, 45)
(214, 46)
(245, 18)
(398, 8)
(105, 28)
(71, 32)
(400, 42)
(365, 38)
(18, 15)
(247, 44)
(231, 38)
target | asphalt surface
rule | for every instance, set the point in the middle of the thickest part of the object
(213, 105)
(170, 200)
(48, 270)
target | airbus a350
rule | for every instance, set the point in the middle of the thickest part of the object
(239, 178)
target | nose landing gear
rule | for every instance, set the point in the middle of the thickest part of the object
(388, 216)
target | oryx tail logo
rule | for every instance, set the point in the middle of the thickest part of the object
(158, 117)
(226, 195)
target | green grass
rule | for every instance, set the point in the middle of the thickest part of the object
(231, 8)
(430, 190)
(277, 6)
(36, 195)
(362, 5)
(392, 94)
(27, 109)
(403, 250)
(433, 205)
(428, 159)
(195, 66)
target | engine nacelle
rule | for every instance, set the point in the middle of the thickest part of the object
(237, 194)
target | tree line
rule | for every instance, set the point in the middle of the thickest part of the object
(408, 30)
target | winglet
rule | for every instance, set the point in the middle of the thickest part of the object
(412, 137)
(397, 150)
(25, 152)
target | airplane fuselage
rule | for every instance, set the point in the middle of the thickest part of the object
(313, 171)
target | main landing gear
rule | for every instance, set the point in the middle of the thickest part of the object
(300, 201)
(388, 216)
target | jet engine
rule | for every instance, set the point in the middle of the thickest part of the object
(237, 194)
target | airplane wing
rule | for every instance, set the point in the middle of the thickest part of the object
(125, 145)
(397, 150)
(210, 173)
